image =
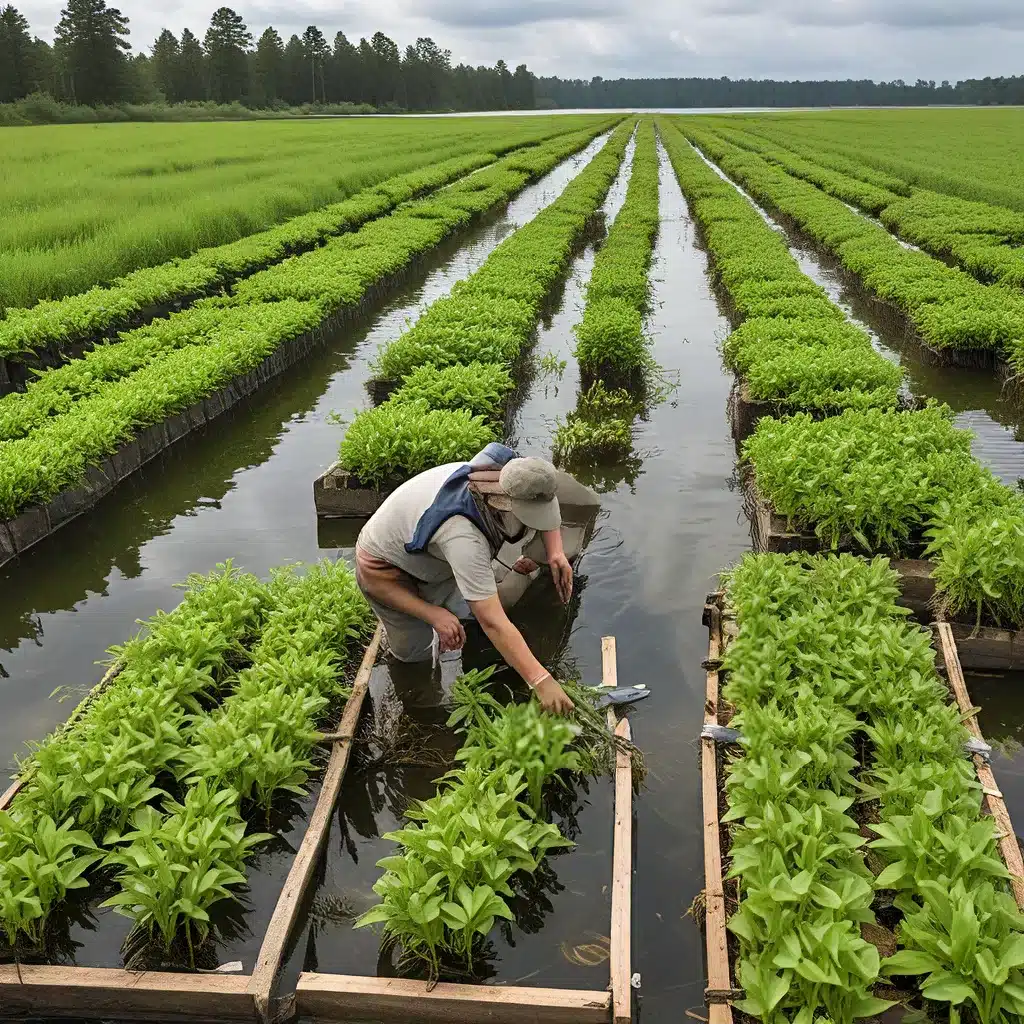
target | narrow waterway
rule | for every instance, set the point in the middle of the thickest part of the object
(975, 395)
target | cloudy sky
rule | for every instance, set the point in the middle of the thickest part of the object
(880, 39)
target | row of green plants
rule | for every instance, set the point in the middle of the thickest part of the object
(71, 417)
(211, 714)
(946, 306)
(981, 238)
(903, 483)
(612, 348)
(793, 347)
(472, 340)
(451, 877)
(611, 342)
(115, 306)
(848, 732)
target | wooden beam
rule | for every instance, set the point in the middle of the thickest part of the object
(122, 995)
(297, 883)
(1008, 845)
(719, 976)
(338, 997)
(622, 852)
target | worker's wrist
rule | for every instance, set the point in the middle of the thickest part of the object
(538, 679)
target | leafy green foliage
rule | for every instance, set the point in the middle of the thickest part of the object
(445, 889)
(162, 715)
(823, 659)
(480, 388)
(399, 440)
(888, 480)
(74, 416)
(175, 868)
(947, 307)
(795, 348)
(600, 426)
(491, 316)
(611, 334)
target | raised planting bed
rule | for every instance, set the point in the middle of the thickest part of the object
(58, 991)
(980, 647)
(721, 896)
(335, 997)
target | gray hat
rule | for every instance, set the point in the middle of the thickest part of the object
(526, 488)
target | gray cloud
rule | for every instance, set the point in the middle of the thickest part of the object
(514, 13)
(880, 39)
(893, 13)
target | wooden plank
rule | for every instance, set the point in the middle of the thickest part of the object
(622, 852)
(108, 677)
(1008, 845)
(338, 997)
(122, 995)
(622, 878)
(715, 936)
(297, 883)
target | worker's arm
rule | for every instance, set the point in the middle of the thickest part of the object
(561, 570)
(392, 594)
(514, 649)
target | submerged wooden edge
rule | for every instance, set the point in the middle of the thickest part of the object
(286, 913)
(620, 934)
(83, 705)
(715, 936)
(1008, 845)
(338, 997)
(156, 995)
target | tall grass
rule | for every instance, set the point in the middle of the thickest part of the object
(83, 204)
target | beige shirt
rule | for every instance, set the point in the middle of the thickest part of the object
(457, 550)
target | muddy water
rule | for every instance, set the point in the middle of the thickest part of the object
(975, 395)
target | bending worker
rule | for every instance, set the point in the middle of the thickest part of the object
(435, 538)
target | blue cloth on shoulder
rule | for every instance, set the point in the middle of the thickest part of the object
(454, 499)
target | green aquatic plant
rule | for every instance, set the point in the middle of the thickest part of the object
(399, 440)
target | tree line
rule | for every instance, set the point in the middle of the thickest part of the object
(640, 93)
(91, 62)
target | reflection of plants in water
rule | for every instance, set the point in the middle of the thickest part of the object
(1008, 746)
(606, 477)
(530, 902)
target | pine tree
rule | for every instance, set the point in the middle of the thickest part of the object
(268, 69)
(317, 52)
(192, 84)
(18, 70)
(295, 88)
(227, 40)
(90, 40)
(165, 68)
(343, 71)
(388, 70)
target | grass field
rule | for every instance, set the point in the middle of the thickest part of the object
(971, 153)
(83, 204)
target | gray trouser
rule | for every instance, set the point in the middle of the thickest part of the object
(411, 639)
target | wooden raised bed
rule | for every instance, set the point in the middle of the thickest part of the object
(335, 997)
(166, 995)
(721, 991)
(979, 647)
(337, 494)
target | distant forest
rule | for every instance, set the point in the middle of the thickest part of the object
(90, 63)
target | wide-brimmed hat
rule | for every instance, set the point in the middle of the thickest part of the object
(524, 487)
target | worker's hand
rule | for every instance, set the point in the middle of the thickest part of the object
(552, 697)
(450, 631)
(524, 566)
(561, 573)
